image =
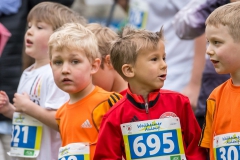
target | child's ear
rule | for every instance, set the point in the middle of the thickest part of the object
(127, 70)
(107, 61)
(95, 65)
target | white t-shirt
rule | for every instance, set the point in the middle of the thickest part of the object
(40, 86)
(179, 53)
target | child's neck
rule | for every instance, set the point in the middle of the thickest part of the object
(119, 84)
(139, 91)
(75, 97)
(40, 63)
(235, 79)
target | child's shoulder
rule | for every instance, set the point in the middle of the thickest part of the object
(172, 94)
(225, 86)
(112, 97)
(116, 106)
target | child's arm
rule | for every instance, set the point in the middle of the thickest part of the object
(191, 134)
(23, 104)
(193, 87)
(109, 145)
(6, 108)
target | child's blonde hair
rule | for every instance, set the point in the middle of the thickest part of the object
(54, 14)
(74, 36)
(130, 43)
(227, 15)
(105, 36)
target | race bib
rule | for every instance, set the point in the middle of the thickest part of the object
(227, 146)
(138, 14)
(26, 136)
(154, 139)
(74, 151)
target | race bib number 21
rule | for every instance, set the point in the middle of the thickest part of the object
(26, 136)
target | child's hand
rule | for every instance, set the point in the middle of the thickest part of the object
(21, 102)
(4, 102)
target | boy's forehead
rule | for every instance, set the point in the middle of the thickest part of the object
(35, 20)
(215, 29)
(219, 32)
(71, 52)
(156, 48)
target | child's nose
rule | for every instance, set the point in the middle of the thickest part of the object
(29, 31)
(163, 65)
(65, 68)
(209, 50)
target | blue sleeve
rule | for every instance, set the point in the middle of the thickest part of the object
(189, 22)
(8, 7)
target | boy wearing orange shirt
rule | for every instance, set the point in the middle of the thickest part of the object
(74, 59)
(221, 131)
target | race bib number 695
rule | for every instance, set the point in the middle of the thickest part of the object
(153, 139)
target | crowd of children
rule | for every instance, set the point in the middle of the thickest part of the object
(94, 94)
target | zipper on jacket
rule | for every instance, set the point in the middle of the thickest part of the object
(147, 110)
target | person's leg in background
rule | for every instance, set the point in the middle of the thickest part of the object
(1, 150)
(5, 144)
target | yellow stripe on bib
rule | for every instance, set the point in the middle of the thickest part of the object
(38, 138)
(180, 141)
(127, 149)
(86, 157)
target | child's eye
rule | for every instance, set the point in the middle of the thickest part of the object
(216, 42)
(57, 63)
(164, 58)
(75, 62)
(154, 59)
(39, 27)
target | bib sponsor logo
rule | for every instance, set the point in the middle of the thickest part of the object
(168, 115)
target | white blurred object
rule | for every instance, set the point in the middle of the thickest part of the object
(98, 2)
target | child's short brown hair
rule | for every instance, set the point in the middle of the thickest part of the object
(227, 15)
(105, 36)
(54, 14)
(130, 43)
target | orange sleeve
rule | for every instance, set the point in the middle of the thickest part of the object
(206, 137)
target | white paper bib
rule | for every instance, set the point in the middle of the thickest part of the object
(75, 151)
(26, 136)
(154, 139)
(227, 146)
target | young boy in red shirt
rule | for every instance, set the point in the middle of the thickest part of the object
(148, 123)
